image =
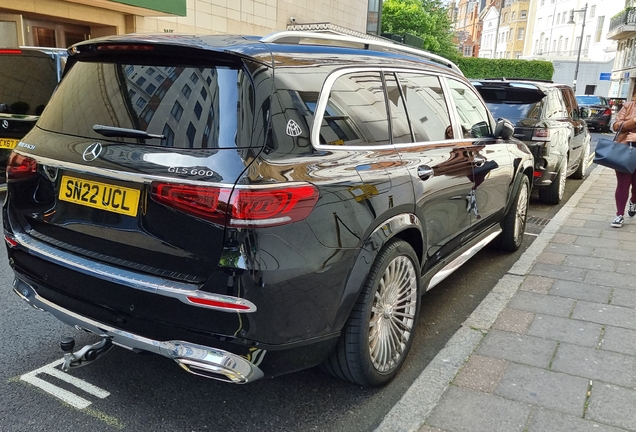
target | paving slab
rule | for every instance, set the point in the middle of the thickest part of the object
(517, 348)
(617, 316)
(581, 291)
(566, 330)
(543, 304)
(613, 405)
(545, 420)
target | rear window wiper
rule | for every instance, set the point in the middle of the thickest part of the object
(112, 131)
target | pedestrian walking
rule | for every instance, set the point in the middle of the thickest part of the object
(625, 125)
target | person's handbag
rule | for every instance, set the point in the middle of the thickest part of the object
(618, 156)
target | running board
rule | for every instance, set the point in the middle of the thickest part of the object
(460, 260)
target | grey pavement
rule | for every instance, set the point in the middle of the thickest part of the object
(553, 346)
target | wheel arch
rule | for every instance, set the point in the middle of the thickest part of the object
(407, 227)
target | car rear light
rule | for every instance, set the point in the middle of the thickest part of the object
(10, 51)
(242, 207)
(10, 241)
(541, 134)
(607, 111)
(538, 174)
(224, 303)
(20, 167)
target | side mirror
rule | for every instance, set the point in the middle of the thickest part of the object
(504, 129)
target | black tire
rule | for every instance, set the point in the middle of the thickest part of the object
(358, 356)
(514, 224)
(581, 171)
(553, 193)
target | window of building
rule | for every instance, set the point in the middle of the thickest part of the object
(204, 93)
(141, 102)
(151, 89)
(141, 81)
(513, 15)
(524, 14)
(176, 111)
(588, 39)
(159, 78)
(169, 134)
(521, 33)
(542, 2)
(599, 28)
(558, 18)
(563, 18)
(191, 134)
(592, 11)
(129, 69)
(147, 115)
(198, 109)
(150, 71)
(186, 90)
(194, 78)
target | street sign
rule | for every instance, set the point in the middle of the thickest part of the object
(605, 76)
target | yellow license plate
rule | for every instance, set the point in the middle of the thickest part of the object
(98, 195)
(8, 143)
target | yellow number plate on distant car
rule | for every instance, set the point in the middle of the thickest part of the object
(98, 195)
(8, 143)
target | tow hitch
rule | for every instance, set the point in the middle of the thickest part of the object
(84, 356)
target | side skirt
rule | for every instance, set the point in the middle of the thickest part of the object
(447, 268)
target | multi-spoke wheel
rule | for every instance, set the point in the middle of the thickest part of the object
(379, 332)
(514, 224)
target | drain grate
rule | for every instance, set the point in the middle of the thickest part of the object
(534, 220)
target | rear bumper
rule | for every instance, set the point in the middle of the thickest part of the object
(197, 359)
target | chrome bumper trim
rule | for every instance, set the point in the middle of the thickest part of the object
(197, 359)
(179, 290)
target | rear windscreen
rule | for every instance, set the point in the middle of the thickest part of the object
(590, 100)
(513, 103)
(189, 107)
(26, 83)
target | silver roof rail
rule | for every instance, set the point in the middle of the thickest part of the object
(294, 36)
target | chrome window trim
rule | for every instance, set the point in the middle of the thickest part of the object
(324, 97)
(152, 284)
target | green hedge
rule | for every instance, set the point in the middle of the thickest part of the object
(498, 68)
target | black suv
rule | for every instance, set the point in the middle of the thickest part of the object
(250, 207)
(547, 118)
(28, 77)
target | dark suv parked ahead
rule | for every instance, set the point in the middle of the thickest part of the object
(599, 116)
(547, 118)
(28, 77)
(250, 207)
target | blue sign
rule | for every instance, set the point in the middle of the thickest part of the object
(605, 76)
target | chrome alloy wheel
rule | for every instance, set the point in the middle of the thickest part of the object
(521, 211)
(562, 178)
(393, 313)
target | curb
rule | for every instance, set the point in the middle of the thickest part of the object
(426, 390)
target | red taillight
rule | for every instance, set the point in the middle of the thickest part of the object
(538, 174)
(10, 241)
(10, 51)
(125, 47)
(219, 304)
(607, 111)
(21, 167)
(242, 207)
(541, 134)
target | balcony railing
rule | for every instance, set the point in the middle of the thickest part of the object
(626, 17)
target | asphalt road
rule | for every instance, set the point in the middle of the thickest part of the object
(149, 393)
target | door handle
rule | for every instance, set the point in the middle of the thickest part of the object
(424, 172)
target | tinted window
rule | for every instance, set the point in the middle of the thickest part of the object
(515, 111)
(473, 115)
(426, 106)
(101, 93)
(400, 130)
(356, 111)
(26, 83)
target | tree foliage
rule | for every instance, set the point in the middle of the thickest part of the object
(427, 19)
(498, 68)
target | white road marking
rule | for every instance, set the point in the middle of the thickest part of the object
(60, 393)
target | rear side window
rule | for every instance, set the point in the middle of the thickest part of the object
(427, 107)
(202, 107)
(473, 115)
(26, 83)
(356, 111)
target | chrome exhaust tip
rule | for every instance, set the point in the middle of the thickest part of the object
(216, 364)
